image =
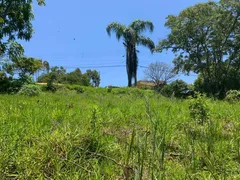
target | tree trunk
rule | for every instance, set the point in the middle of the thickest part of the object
(129, 74)
(128, 66)
(135, 80)
(134, 64)
(129, 81)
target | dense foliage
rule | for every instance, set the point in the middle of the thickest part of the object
(30, 90)
(233, 96)
(16, 24)
(175, 89)
(206, 38)
(60, 75)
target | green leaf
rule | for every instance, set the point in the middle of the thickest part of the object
(1, 20)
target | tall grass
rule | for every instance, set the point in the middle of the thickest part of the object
(122, 134)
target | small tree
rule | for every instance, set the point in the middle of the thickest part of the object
(94, 77)
(159, 73)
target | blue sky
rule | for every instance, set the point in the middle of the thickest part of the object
(73, 34)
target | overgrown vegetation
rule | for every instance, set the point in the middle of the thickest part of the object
(233, 96)
(205, 39)
(30, 90)
(80, 132)
(177, 88)
(127, 134)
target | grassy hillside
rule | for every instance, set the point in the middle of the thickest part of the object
(123, 134)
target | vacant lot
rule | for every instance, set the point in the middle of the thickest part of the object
(122, 134)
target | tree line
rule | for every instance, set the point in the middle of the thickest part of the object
(76, 77)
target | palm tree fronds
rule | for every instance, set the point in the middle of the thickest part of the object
(116, 28)
(130, 35)
(140, 26)
(147, 42)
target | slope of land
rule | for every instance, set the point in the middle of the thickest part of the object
(122, 134)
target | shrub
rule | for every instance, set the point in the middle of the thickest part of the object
(233, 96)
(175, 88)
(80, 90)
(10, 86)
(30, 90)
(109, 89)
(199, 109)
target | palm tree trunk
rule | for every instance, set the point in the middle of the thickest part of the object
(129, 81)
(128, 66)
(134, 64)
(135, 81)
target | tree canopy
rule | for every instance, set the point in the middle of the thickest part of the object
(206, 41)
(76, 77)
(15, 23)
(94, 77)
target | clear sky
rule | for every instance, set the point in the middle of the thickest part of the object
(73, 34)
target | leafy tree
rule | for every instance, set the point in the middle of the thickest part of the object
(59, 75)
(27, 66)
(94, 77)
(85, 80)
(24, 67)
(74, 77)
(15, 23)
(160, 73)
(205, 38)
(132, 37)
(56, 73)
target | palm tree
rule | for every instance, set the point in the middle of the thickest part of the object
(132, 37)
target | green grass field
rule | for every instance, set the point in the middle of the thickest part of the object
(123, 134)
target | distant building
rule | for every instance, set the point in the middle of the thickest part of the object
(145, 84)
(149, 84)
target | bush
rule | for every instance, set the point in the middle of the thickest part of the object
(233, 96)
(109, 89)
(51, 87)
(10, 86)
(30, 90)
(199, 109)
(175, 88)
(80, 90)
